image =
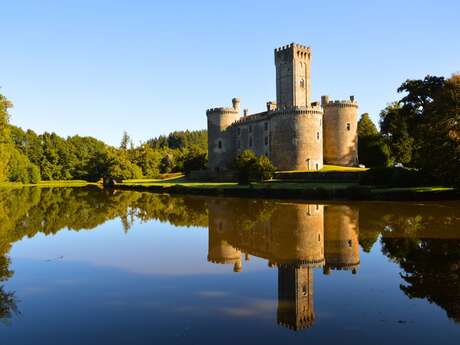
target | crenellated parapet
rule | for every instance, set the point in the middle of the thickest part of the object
(292, 45)
(339, 103)
(221, 110)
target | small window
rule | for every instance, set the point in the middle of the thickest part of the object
(304, 290)
(302, 83)
(349, 243)
(266, 126)
(219, 144)
(250, 142)
(317, 135)
(266, 140)
(250, 128)
(317, 166)
(348, 126)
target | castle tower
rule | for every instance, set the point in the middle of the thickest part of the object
(295, 297)
(221, 144)
(341, 242)
(298, 234)
(221, 227)
(340, 132)
(293, 76)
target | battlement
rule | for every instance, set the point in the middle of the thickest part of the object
(325, 102)
(221, 110)
(291, 46)
(314, 110)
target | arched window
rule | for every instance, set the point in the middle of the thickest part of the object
(302, 83)
(219, 144)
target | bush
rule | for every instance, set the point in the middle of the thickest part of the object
(253, 168)
(396, 177)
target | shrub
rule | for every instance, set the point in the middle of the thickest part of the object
(396, 177)
(252, 168)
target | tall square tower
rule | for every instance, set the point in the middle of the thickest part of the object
(293, 76)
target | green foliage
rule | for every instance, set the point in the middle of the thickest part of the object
(366, 128)
(396, 177)
(253, 168)
(373, 150)
(194, 159)
(118, 166)
(181, 140)
(423, 128)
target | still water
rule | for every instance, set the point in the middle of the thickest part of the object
(84, 266)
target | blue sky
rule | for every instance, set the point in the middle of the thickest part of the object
(99, 67)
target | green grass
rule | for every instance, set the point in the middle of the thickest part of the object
(327, 168)
(273, 184)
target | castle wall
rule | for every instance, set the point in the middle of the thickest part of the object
(297, 139)
(341, 133)
(253, 134)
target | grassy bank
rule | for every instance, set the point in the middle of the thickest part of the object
(302, 190)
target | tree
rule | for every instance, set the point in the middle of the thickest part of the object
(5, 138)
(194, 160)
(395, 129)
(373, 151)
(125, 140)
(253, 168)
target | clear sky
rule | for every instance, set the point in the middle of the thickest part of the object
(98, 67)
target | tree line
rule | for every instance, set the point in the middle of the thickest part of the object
(28, 157)
(420, 131)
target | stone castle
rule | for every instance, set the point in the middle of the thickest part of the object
(296, 239)
(294, 132)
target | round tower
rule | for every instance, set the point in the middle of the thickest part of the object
(341, 244)
(297, 138)
(221, 228)
(298, 235)
(221, 146)
(340, 132)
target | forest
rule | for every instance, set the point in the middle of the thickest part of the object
(28, 157)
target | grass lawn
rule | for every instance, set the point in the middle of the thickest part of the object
(327, 168)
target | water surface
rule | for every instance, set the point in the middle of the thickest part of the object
(85, 266)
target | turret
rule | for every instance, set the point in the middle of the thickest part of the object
(340, 131)
(221, 146)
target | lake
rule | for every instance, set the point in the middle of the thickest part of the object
(88, 266)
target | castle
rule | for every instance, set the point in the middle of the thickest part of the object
(296, 239)
(294, 132)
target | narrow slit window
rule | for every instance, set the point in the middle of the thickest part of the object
(219, 144)
(348, 126)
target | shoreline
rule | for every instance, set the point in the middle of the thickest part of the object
(350, 193)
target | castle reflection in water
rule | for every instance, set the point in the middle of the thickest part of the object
(294, 238)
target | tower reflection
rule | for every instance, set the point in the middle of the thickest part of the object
(294, 238)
